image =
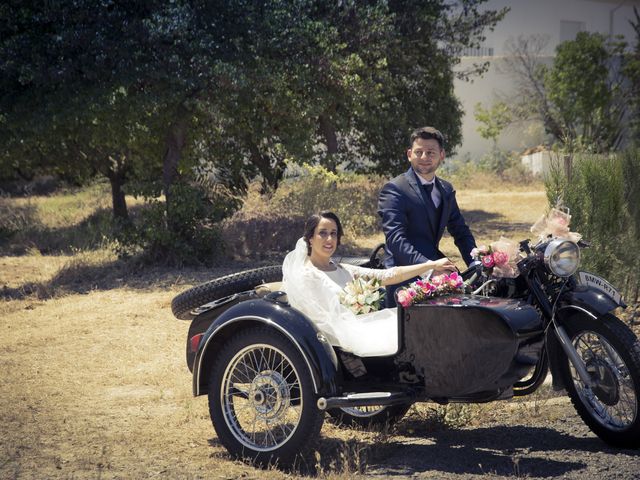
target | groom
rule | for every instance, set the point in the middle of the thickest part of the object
(416, 206)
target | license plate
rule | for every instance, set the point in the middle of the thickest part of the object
(600, 284)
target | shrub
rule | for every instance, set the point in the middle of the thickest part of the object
(603, 199)
(280, 218)
(187, 234)
(496, 169)
(353, 197)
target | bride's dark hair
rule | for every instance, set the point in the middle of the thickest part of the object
(312, 223)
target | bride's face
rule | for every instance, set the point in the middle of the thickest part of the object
(325, 238)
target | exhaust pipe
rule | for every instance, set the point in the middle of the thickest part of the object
(368, 399)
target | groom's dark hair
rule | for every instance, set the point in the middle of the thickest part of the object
(312, 223)
(427, 133)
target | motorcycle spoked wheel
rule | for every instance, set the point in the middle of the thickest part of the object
(611, 353)
(261, 399)
(369, 418)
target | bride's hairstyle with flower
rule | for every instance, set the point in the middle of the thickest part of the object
(312, 223)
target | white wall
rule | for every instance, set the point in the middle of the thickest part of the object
(529, 17)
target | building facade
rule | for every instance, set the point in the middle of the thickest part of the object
(557, 21)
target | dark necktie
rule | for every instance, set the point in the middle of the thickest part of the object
(428, 187)
(434, 213)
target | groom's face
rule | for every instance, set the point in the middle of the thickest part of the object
(425, 156)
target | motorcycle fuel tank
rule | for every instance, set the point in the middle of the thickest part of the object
(463, 345)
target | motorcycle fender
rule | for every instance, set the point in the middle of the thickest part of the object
(584, 299)
(318, 354)
(588, 300)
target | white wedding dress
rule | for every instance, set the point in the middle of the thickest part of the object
(316, 294)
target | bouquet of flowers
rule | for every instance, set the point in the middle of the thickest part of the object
(499, 258)
(362, 295)
(422, 289)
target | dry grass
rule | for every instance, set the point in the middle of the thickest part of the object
(95, 383)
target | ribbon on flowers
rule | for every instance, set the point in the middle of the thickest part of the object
(500, 257)
(555, 224)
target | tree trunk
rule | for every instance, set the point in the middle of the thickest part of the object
(117, 174)
(175, 140)
(568, 164)
(271, 174)
(331, 140)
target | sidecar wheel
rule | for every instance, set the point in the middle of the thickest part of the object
(369, 418)
(611, 353)
(261, 399)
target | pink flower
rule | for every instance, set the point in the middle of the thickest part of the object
(487, 261)
(437, 280)
(455, 280)
(411, 292)
(500, 258)
(403, 298)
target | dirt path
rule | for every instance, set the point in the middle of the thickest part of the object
(95, 386)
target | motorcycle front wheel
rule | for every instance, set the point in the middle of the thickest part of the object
(611, 353)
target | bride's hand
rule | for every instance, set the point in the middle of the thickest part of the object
(443, 265)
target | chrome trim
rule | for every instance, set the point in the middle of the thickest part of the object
(263, 320)
(574, 357)
(584, 310)
(215, 303)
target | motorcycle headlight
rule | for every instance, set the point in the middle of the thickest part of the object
(562, 257)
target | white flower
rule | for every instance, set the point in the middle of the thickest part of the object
(362, 295)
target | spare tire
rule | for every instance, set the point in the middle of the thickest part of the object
(183, 304)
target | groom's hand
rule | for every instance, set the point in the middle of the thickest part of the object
(444, 265)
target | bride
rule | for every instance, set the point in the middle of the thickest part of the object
(313, 283)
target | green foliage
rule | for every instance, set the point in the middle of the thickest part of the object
(632, 71)
(602, 197)
(353, 197)
(135, 91)
(584, 88)
(280, 218)
(186, 235)
(492, 168)
(582, 99)
(493, 120)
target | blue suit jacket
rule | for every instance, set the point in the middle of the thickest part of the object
(405, 214)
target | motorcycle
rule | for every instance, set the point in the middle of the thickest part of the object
(271, 375)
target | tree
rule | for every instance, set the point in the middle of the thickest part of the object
(102, 86)
(581, 99)
(67, 74)
(341, 84)
(422, 45)
(586, 88)
(492, 121)
(632, 71)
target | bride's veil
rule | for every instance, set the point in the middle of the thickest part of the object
(312, 292)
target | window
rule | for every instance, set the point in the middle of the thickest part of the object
(477, 52)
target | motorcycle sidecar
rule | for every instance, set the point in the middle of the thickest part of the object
(454, 348)
(469, 346)
(270, 373)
